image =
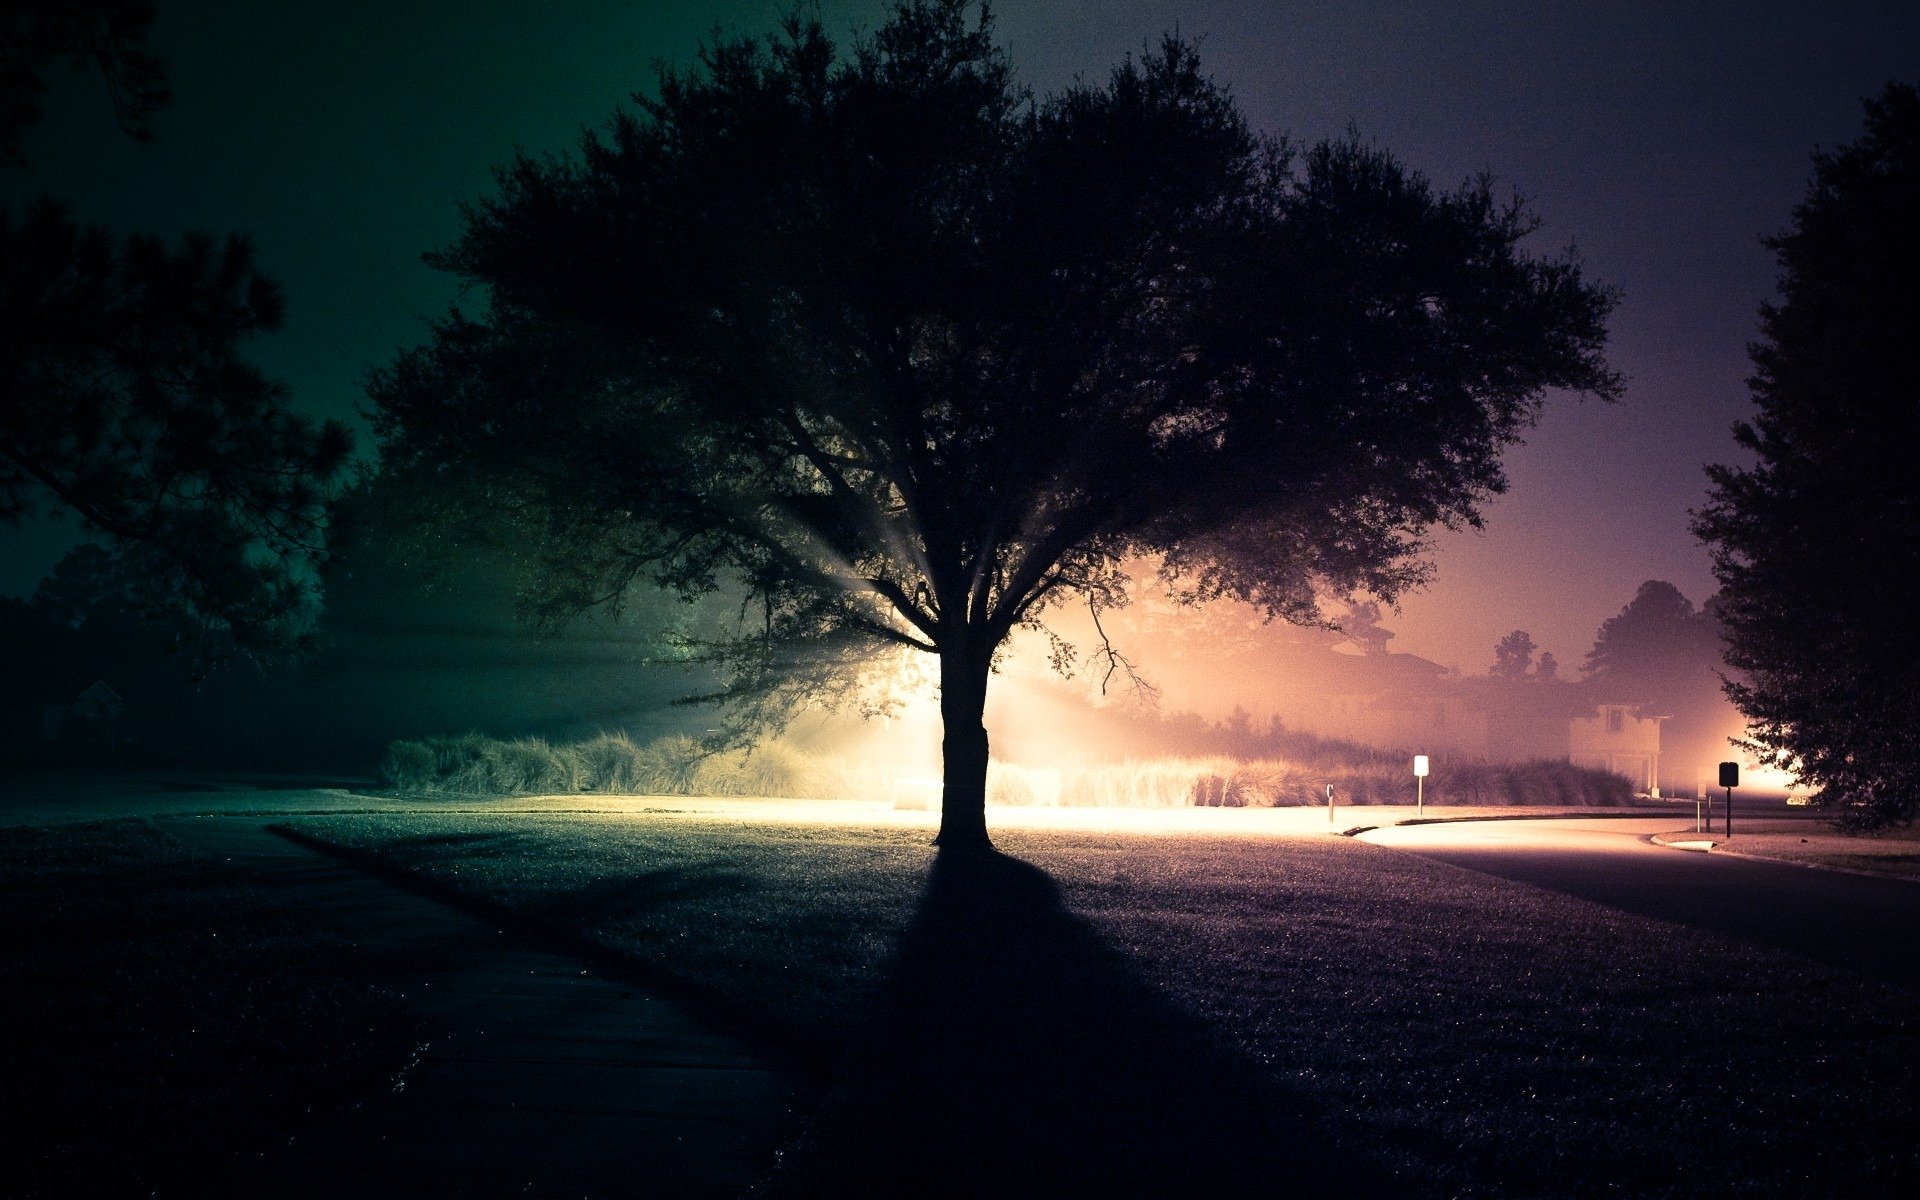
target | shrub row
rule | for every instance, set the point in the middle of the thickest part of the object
(1272, 783)
(475, 765)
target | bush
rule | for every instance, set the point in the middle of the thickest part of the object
(666, 767)
(609, 763)
(409, 765)
(770, 769)
(476, 765)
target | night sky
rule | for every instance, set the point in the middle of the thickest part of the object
(1663, 140)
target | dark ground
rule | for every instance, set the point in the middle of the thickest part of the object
(1015, 1052)
(170, 1022)
(1089, 1013)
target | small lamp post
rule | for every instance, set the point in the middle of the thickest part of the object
(1330, 821)
(1420, 785)
(1729, 779)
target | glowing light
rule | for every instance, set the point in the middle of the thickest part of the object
(918, 792)
(1302, 821)
(1767, 779)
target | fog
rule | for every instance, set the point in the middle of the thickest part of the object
(399, 656)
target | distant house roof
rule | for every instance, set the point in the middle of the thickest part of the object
(98, 700)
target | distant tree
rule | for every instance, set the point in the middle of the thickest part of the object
(1546, 668)
(1814, 545)
(1362, 627)
(1512, 656)
(907, 356)
(124, 397)
(1657, 644)
(121, 623)
(108, 36)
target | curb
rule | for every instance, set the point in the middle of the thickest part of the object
(1562, 815)
(1719, 849)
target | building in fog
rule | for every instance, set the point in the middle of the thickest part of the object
(1623, 739)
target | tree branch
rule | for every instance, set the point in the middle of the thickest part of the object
(1115, 660)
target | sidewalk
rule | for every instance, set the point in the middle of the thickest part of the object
(536, 1079)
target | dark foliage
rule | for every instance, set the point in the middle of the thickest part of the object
(124, 397)
(105, 35)
(1658, 644)
(127, 402)
(908, 355)
(1513, 656)
(1815, 544)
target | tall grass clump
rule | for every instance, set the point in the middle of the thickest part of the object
(612, 763)
(475, 765)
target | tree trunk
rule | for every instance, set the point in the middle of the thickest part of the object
(963, 789)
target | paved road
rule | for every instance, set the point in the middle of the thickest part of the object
(1858, 923)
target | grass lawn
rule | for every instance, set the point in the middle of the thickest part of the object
(1885, 852)
(168, 1025)
(1129, 1014)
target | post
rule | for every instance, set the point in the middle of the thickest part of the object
(1729, 779)
(1420, 785)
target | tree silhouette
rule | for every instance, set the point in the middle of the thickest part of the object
(105, 35)
(1512, 656)
(1658, 644)
(124, 397)
(907, 355)
(1546, 668)
(1814, 544)
(1362, 627)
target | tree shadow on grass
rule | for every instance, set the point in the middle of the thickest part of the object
(604, 901)
(476, 845)
(1017, 1054)
(561, 922)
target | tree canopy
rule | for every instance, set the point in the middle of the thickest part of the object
(108, 36)
(906, 354)
(124, 394)
(1813, 544)
(1512, 656)
(1656, 645)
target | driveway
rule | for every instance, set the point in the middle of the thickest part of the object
(1854, 922)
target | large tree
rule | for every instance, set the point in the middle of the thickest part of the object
(908, 355)
(1815, 544)
(1655, 646)
(125, 395)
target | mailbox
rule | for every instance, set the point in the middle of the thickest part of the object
(1730, 774)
